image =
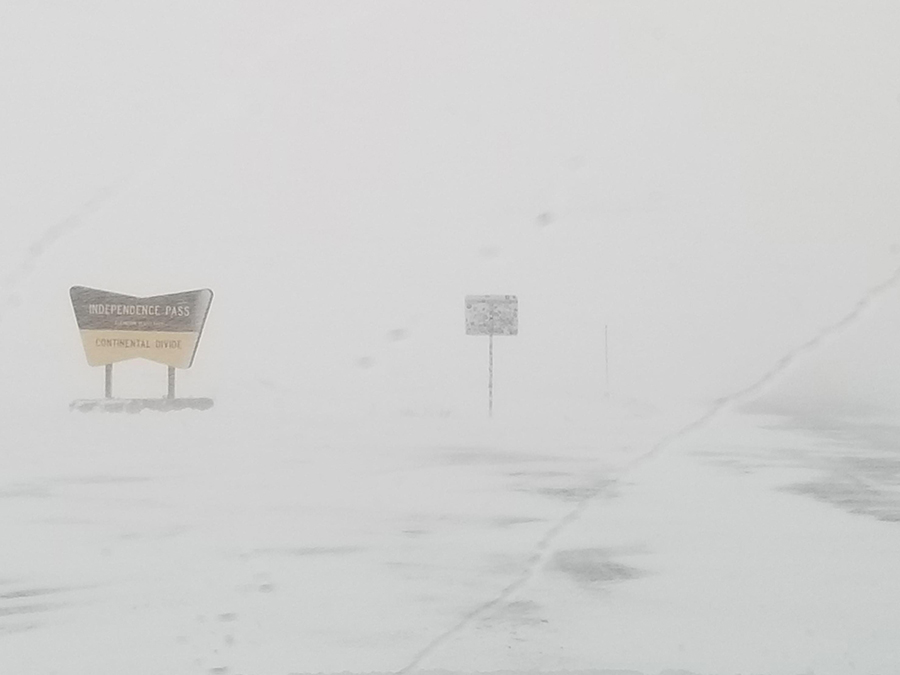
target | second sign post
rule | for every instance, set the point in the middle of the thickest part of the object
(492, 315)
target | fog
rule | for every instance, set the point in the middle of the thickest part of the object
(705, 191)
(713, 183)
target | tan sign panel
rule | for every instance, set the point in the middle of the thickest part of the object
(492, 315)
(161, 328)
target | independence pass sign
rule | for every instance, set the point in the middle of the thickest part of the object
(161, 328)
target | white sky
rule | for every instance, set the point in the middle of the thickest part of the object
(719, 182)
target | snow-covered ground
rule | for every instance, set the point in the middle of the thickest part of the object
(219, 543)
(184, 542)
(711, 569)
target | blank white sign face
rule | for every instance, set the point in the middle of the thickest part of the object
(492, 315)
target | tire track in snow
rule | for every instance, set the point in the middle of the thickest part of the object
(78, 218)
(193, 122)
(50, 237)
(780, 366)
(543, 549)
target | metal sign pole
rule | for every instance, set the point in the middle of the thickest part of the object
(606, 356)
(171, 393)
(109, 380)
(491, 375)
(491, 366)
(491, 315)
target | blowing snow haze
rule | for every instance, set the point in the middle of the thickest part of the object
(714, 182)
(712, 185)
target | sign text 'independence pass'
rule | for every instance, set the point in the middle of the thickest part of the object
(163, 328)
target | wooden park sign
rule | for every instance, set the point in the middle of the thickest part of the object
(161, 328)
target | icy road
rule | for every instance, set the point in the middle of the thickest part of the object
(182, 543)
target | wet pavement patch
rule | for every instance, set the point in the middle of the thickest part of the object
(519, 613)
(17, 604)
(514, 520)
(539, 474)
(29, 593)
(854, 460)
(576, 493)
(415, 532)
(593, 566)
(851, 496)
(464, 456)
(24, 490)
(740, 463)
(16, 610)
(300, 551)
(102, 479)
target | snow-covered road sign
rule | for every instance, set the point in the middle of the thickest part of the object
(492, 315)
(161, 328)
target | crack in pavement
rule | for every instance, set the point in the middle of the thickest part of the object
(542, 549)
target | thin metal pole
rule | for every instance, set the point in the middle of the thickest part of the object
(491, 366)
(109, 380)
(606, 355)
(491, 375)
(171, 382)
